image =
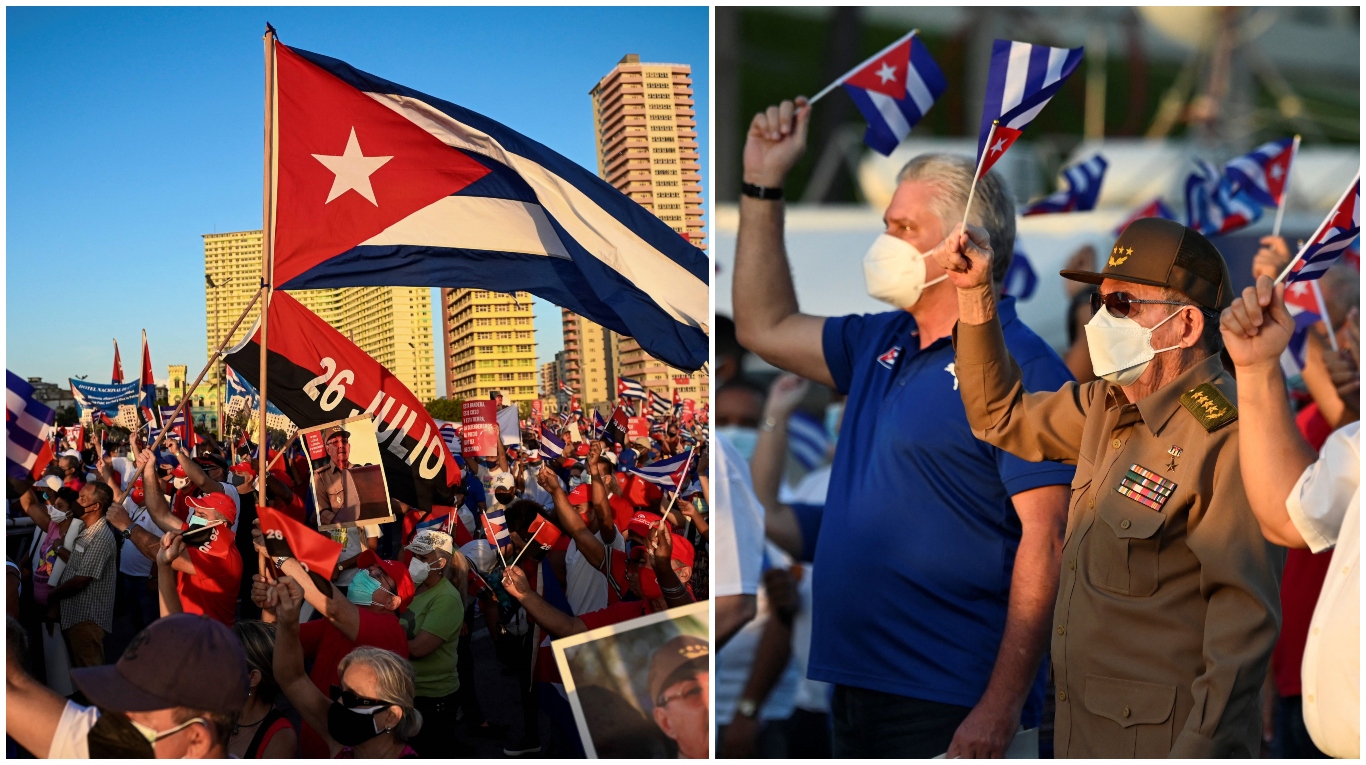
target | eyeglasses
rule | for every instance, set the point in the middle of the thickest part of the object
(352, 701)
(1119, 303)
(691, 694)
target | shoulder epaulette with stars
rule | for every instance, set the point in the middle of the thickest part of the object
(1209, 407)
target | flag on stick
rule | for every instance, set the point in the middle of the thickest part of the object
(1332, 238)
(28, 429)
(1021, 80)
(1083, 189)
(117, 376)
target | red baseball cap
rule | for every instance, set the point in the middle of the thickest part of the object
(642, 521)
(139, 496)
(396, 571)
(683, 550)
(216, 501)
(581, 451)
(579, 495)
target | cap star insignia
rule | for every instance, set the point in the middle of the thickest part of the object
(1209, 407)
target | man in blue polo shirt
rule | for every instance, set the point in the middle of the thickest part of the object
(937, 562)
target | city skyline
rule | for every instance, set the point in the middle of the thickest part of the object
(150, 175)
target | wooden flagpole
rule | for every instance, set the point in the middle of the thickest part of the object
(1285, 190)
(1323, 311)
(267, 247)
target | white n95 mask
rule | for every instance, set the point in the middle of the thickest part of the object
(1121, 348)
(895, 271)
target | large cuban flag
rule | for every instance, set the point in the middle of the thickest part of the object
(893, 90)
(378, 184)
(1020, 82)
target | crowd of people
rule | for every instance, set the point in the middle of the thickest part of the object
(1143, 546)
(150, 616)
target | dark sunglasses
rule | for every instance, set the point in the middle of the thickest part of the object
(1120, 303)
(352, 701)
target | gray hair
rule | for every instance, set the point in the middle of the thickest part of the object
(992, 207)
(396, 684)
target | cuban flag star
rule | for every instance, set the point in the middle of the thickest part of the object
(1302, 303)
(1263, 171)
(1082, 182)
(668, 473)
(894, 90)
(1020, 82)
(379, 184)
(628, 388)
(1332, 240)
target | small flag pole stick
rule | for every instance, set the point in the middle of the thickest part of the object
(1323, 311)
(980, 161)
(1285, 190)
(1318, 231)
(686, 464)
(213, 358)
(525, 547)
(267, 243)
(840, 81)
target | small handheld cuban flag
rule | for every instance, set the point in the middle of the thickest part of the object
(668, 473)
(1215, 204)
(496, 529)
(552, 448)
(893, 90)
(659, 406)
(28, 429)
(1154, 209)
(565, 389)
(1021, 80)
(807, 440)
(1263, 172)
(678, 405)
(147, 399)
(1333, 237)
(1303, 301)
(599, 424)
(1082, 182)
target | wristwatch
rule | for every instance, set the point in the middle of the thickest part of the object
(761, 192)
(280, 561)
(126, 533)
(746, 708)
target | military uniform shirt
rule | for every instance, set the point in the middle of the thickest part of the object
(1168, 603)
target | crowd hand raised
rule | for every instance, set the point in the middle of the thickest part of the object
(514, 581)
(258, 540)
(688, 509)
(776, 140)
(1342, 363)
(661, 548)
(786, 392)
(289, 598)
(547, 479)
(1257, 327)
(117, 516)
(966, 255)
(263, 593)
(172, 545)
(1272, 258)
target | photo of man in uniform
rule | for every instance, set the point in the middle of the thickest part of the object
(347, 494)
(680, 687)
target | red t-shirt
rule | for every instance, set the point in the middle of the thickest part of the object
(327, 646)
(213, 588)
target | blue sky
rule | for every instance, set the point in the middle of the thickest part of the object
(131, 132)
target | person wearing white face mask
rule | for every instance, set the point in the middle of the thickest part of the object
(433, 623)
(963, 646)
(1169, 597)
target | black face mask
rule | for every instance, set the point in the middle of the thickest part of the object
(503, 497)
(350, 728)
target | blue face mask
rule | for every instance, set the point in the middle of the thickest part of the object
(363, 588)
(198, 520)
(742, 438)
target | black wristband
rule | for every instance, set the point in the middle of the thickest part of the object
(761, 192)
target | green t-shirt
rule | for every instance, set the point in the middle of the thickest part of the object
(439, 611)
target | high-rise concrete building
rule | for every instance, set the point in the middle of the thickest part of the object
(590, 359)
(392, 324)
(646, 131)
(647, 148)
(490, 344)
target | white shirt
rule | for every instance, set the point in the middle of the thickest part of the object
(131, 560)
(1325, 507)
(69, 741)
(585, 586)
(737, 542)
(735, 661)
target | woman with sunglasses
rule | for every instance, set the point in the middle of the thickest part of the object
(370, 714)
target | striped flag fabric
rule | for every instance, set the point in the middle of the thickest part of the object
(1020, 82)
(28, 429)
(1082, 182)
(893, 90)
(496, 528)
(148, 385)
(628, 388)
(1334, 236)
(565, 389)
(599, 424)
(117, 376)
(552, 448)
(450, 435)
(678, 404)
(1262, 172)
(1214, 204)
(1302, 302)
(379, 184)
(668, 473)
(807, 440)
(659, 406)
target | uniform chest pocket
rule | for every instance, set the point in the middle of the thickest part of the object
(1122, 550)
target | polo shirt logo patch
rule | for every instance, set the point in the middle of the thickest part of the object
(951, 371)
(1146, 487)
(888, 359)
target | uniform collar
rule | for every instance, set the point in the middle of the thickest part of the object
(1159, 406)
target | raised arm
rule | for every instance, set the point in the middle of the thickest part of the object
(193, 471)
(770, 455)
(343, 614)
(1032, 426)
(589, 544)
(767, 319)
(289, 661)
(172, 548)
(157, 506)
(551, 619)
(34, 507)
